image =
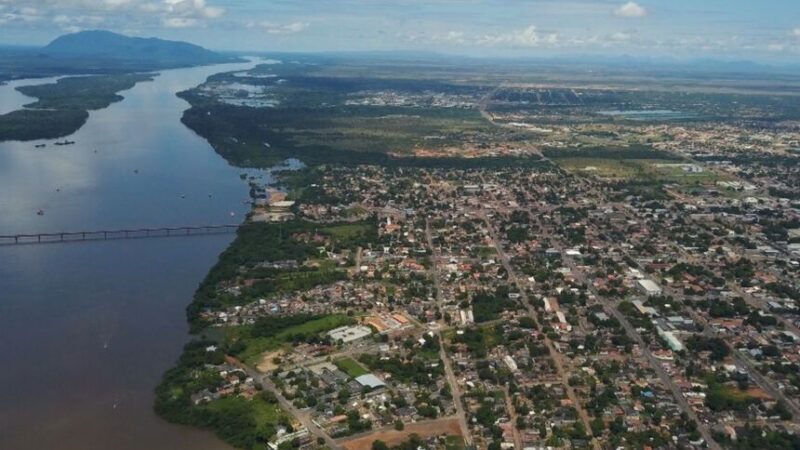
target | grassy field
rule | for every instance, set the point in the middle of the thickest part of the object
(351, 367)
(485, 252)
(262, 416)
(348, 231)
(256, 346)
(636, 169)
(454, 443)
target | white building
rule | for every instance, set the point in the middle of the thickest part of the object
(649, 287)
(349, 333)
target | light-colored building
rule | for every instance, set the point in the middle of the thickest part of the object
(370, 381)
(649, 287)
(349, 333)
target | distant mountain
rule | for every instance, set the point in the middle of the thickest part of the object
(108, 46)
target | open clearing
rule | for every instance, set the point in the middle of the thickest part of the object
(267, 364)
(430, 428)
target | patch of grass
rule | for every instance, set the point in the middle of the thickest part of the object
(351, 367)
(267, 413)
(253, 347)
(347, 231)
(454, 443)
(485, 252)
(664, 171)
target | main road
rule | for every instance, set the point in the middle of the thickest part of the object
(555, 355)
(455, 391)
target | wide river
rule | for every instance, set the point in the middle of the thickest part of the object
(87, 329)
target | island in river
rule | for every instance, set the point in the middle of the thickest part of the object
(63, 107)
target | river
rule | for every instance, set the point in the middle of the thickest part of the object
(87, 329)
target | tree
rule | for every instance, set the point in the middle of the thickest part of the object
(379, 445)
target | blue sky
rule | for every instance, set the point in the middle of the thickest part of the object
(761, 30)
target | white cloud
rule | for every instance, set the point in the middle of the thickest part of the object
(631, 9)
(776, 47)
(526, 37)
(71, 13)
(620, 36)
(456, 37)
(180, 22)
(273, 28)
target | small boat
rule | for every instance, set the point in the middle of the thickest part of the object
(233, 214)
(40, 145)
(135, 170)
(40, 212)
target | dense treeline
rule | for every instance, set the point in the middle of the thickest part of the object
(757, 438)
(257, 243)
(62, 108)
(488, 306)
(82, 93)
(29, 125)
(416, 370)
(233, 419)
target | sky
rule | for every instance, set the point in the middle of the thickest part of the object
(757, 30)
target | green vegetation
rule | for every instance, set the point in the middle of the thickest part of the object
(29, 125)
(315, 122)
(83, 93)
(258, 243)
(479, 339)
(717, 347)
(634, 152)
(757, 438)
(726, 396)
(416, 370)
(488, 306)
(636, 163)
(247, 424)
(350, 367)
(248, 343)
(63, 106)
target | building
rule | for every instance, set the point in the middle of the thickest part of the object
(649, 287)
(672, 342)
(349, 333)
(370, 381)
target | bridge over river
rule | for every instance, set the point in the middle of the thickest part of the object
(103, 235)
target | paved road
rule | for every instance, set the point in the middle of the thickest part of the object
(512, 414)
(555, 355)
(448, 367)
(665, 377)
(299, 415)
(290, 408)
(765, 383)
(652, 360)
